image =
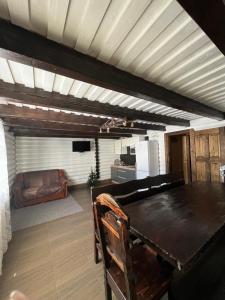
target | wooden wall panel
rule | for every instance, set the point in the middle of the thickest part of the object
(202, 171)
(222, 145)
(208, 154)
(192, 155)
(215, 171)
(186, 158)
(202, 146)
(214, 145)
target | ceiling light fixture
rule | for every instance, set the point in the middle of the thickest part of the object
(116, 123)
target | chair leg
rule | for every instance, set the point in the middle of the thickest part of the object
(108, 291)
(96, 254)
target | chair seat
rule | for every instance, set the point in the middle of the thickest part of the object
(151, 277)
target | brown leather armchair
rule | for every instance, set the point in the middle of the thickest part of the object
(39, 186)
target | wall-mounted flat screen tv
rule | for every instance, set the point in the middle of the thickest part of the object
(81, 146)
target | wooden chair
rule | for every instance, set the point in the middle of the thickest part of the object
(131, 191)
(132, 272)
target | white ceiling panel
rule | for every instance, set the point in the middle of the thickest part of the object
(4, 10)
(39, 16)
(79, 88)
(193, 41)
(5, 72)
(19, 13)
(172, 34)
(22, 74)
(62, 84)
(57, 14)
(119, 19)
(44, 79)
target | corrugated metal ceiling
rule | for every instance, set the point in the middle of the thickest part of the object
(156, 40)
(14, 72)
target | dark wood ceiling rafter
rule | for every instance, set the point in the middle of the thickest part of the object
(32, 49)
(21, 115)
(147, 126)
(210, 16)
(16, 122)
(21, 131)
(11, 110)
(21, 94)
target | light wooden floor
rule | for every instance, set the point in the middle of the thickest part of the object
(55, 260)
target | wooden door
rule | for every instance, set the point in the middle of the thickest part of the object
(186, 158)
(176, 155)
(179, 151)
(207, 149)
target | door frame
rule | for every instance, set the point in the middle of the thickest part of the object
(191, 134)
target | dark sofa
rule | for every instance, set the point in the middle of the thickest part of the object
(39, 186)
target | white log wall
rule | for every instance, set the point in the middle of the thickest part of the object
(40, 153)
(106, 157)
(11, 156)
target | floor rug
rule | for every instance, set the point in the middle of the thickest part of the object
(44, 212)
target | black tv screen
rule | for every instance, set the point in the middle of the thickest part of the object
(81, 146)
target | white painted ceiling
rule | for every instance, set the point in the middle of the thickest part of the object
(155, 40)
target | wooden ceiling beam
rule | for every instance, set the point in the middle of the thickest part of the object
(48, 115)
(21, 131)
(147, 126)
(26, 47)
(210, 16)
(15, 122)
(15, 113)
(21, 94)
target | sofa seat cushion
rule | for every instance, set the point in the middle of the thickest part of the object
(30, 193)
(48, 190)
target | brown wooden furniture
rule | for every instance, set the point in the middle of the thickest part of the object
(185, 226)
(39, 186)
(208, 152)
(197, 155)
(131, 271)
(133, 191)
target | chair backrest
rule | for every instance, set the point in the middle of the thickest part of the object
(113, 228)
(138, 189)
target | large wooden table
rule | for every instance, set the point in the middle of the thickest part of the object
(182, 223)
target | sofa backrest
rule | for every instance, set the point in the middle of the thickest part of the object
(39, 178)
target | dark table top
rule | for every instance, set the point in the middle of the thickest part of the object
(180, 222)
